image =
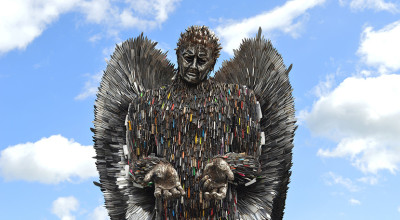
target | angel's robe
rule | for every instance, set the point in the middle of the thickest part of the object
(188, 126)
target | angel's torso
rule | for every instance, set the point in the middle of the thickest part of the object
(190, 125)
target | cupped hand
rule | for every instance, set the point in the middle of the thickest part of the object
(166, 181)
(215, 179)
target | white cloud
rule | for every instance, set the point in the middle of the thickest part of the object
(281, 18)
(50, 160)
(91, 86)
(377, 5)
(354, 202)
(398, 209)
(99, 213)
(381, 48)
(363, 116)
(332, 178)
(63, 206)
(21, 21)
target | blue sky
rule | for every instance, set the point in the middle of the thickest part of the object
(346, 64)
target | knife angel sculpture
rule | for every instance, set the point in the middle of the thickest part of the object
(178, 144)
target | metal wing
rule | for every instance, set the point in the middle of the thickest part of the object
(260, 67)
(134, 67)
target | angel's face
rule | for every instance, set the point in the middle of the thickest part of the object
(195, 62)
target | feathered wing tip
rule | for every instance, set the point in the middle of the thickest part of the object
(259, 66)
(134, 67)
(145, 66)
(259, 34)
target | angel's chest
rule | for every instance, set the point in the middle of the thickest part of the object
(199, 123)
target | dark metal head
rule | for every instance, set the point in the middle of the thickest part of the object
(198, 50)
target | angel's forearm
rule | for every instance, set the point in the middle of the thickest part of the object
(245, 168)
(139, 168)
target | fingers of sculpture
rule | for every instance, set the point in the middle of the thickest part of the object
(218, 170)
(149, 176)
(215, 180)
(173, 193)
(226, 169)
(216, 193)
(157, 192)
(166, 181)
(181, 190)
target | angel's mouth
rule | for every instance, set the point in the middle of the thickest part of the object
(192, 74)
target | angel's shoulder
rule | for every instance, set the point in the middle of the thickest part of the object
(148, 98)
(234, 91)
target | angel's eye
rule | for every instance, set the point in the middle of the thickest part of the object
(189, 59)
(201, 61)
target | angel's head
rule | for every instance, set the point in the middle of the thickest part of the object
(197, 52)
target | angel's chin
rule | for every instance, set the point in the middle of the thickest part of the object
(191, 78)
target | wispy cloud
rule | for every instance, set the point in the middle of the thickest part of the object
(91, 86)
(95, 38)
(147, 13)
(324, 87)
(377, 5)
(50, 160)
(282, 18)
(354, 202)
(335, 179)
(371, 180)
(21, 21)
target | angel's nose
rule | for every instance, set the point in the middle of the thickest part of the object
(194, 63)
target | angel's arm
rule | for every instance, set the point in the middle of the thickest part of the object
(259, 67)
(148, 170)
(136, 65)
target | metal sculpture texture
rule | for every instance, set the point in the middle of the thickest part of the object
(177, 144)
